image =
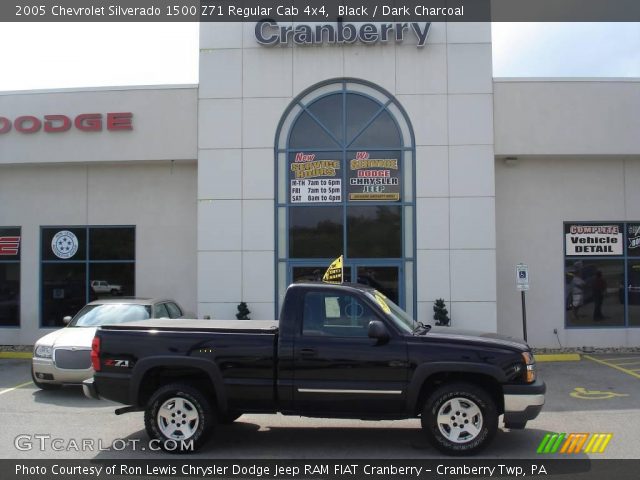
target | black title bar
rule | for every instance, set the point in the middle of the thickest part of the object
(320, 10)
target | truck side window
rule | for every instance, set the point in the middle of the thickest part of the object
(336, 315)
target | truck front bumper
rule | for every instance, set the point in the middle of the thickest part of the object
(522, 403)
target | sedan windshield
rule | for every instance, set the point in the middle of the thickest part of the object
(95, 315)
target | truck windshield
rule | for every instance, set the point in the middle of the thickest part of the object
(95, 315)
(399, 317)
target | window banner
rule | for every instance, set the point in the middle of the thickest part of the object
(593, 240)
(315, 180)
(374, 179)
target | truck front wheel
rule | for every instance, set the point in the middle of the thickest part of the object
(460, 419)
(179, 417)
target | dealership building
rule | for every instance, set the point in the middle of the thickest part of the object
(390, 144)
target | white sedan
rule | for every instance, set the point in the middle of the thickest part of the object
(64, 356)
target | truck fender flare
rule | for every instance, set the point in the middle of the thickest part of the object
(424, 371)
(208, 367)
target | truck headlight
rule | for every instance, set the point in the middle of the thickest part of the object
(530, 367)
(43, 351)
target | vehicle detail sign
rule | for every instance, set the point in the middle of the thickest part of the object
(373, 179)
(315, 180)
(598, 240)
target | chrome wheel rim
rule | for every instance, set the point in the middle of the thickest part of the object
(460, 420)
(178, 418)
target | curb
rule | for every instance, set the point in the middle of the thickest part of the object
(22, 355)
(557, 357)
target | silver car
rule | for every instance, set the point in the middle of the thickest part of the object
(64, 356)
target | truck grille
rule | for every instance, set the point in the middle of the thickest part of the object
(72, 359)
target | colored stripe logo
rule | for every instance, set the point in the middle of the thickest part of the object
(573, 443)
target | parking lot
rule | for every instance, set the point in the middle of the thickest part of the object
(598, 394)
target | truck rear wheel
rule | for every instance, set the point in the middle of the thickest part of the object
(180, 417)
(460, 419)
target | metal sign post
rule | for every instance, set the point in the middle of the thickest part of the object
(522, 283)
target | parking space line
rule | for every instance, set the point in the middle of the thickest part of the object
(613, 365)
(627, 363)
(16, 387)
(637, 357)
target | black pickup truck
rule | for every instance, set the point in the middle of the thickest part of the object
(341, 351)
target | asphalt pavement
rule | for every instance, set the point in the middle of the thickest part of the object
(598, 394)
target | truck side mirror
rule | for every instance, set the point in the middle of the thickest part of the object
(378, 331)
(66, 320)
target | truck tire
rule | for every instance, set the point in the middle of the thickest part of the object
(180, 417)
(460, 419)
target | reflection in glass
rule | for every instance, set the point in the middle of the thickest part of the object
(593, 292)
(306, 133)
(107, 280)
(328, 110)
(9, 294)
(360, 110)
(314, 274)
(383, 279)
(383, 132)
(633, 292)
(63, 291)
(374, 232)
(113, 243)
(109, 314)
(315, 232)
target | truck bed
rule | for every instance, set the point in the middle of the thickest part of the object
(180, 325)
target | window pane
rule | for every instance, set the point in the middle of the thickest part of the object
(64, 243)
(315, 232)
(315, 177)
(633, 293)
(161, 311)
(328, 111)
(374, 232)
(383, 279)
(174, 311)
(335, 315)
(383, 132)
(109, 280)
(592, 293)
(307, 133)
(633, 239)
(374, 176)
(360, 110)
(113, 243)
(10, 240)
(63, 291)
(314, 274)
(9, 294)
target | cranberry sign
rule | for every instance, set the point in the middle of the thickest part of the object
(56, 123)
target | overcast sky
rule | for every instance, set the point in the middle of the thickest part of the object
(58, 55)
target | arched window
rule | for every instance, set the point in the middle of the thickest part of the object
(345, 185)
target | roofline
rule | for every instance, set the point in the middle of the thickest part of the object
(115, 88)
(567, 79)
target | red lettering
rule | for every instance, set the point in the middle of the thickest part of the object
(9, 246)
(119, 121)
(5, 125)
(362, 155)
(56, 123)
(34, 126)
(305, 157)
(89, 122)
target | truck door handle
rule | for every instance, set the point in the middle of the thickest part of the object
(308, 352)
